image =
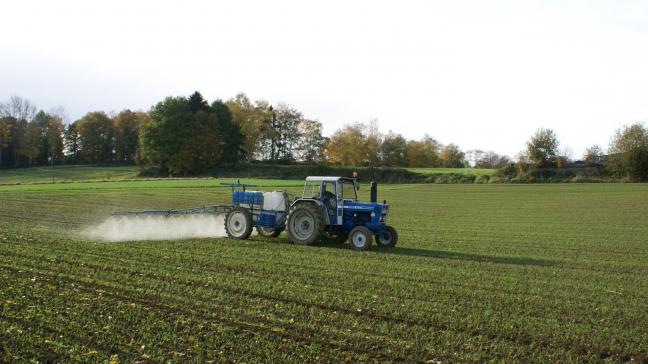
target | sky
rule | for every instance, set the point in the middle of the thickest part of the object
(480, 74)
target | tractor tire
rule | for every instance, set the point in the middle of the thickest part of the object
(269, 232)
(389, 239)
(335, 238)
(306, 223)
(360, 238)
(238, 223)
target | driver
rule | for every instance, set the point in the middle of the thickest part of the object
(328, 198)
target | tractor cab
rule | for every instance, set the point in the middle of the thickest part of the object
(332, 193)
(329, 210)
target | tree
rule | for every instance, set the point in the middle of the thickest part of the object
(355, 145)
(187, 136)
(451, 156)
(126, 133)
(16, 146)
(593, 155)
(542, 148)
(346, 146)
(373, 141)
(5, 135)
(492, 160)
(287, 133)
(54, 135)
(311, 148)
(423, 153)
(473, 156)
(393, 150)
(628, 153)
(18, 108)
(72, 141)
(44, 139)
(233, 137)
(19, 111)
(31, 142)
(255, 121)
(163, 138)
(96, 137)
(36, 146)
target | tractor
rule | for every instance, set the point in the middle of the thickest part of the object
(327, 211)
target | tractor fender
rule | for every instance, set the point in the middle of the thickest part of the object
(313, 201)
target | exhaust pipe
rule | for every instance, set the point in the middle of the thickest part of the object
(374, 191)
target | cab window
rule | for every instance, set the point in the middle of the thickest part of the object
(347, 190)
(312, 189)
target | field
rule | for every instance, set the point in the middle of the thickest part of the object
(528, 273)
(58, 174)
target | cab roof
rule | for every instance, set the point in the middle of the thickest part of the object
(326, 179)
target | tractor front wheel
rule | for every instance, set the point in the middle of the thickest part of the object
(387, 238)
(238, 223)
(360, 238)
(306, 223)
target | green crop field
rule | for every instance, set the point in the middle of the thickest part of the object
(58, 174)
(527, 273)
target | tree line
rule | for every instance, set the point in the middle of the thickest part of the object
(36, 138)
(185, 135)
(188, 135)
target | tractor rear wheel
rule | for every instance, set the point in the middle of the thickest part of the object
(337, 237)
(360, 238)
(238, 223)
(269, 232)
(306, 223)
(388, 238)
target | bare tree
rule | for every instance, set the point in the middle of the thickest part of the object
(473, 156)
(491, 159)
(18, 108)
(21, 111)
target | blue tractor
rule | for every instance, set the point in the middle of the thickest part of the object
(329, 211)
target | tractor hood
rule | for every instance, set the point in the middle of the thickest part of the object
(364, 206)
(377, 211)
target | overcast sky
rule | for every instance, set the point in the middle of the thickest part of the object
(480, 74)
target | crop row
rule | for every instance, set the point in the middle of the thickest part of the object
(185, 285)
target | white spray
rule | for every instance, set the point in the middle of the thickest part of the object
(124, 228)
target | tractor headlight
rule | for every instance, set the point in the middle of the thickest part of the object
(383, 213)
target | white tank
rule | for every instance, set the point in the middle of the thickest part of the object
(274, 201)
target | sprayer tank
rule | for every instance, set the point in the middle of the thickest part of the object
(274, 201)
